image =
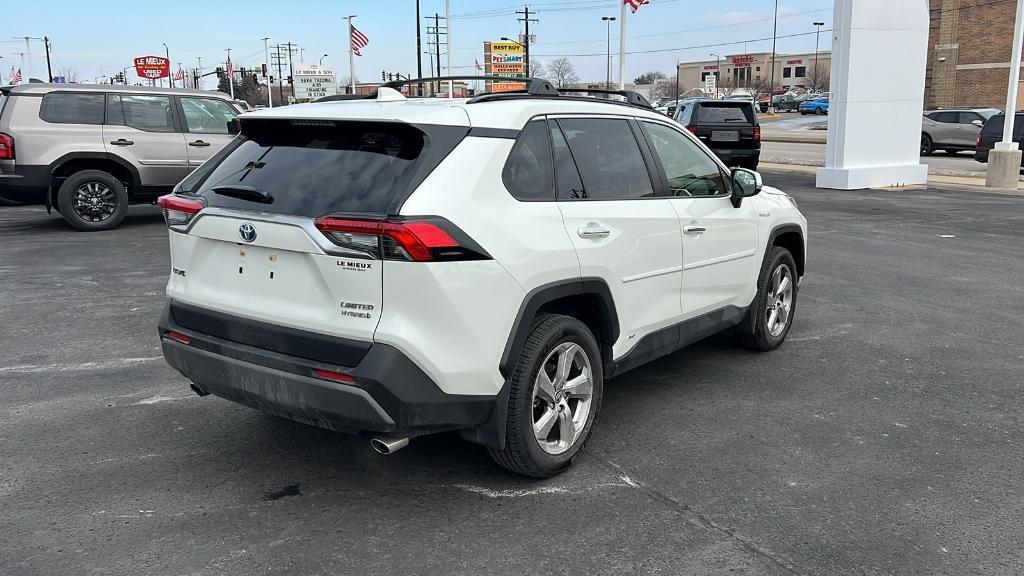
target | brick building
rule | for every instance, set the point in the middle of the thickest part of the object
(969, 45)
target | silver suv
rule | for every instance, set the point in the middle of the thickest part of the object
(91, 150)
(953, 130)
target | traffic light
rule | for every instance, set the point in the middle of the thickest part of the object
(383, 76)
(220, 73)
(263, 70)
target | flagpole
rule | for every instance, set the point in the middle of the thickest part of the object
(351, 56)
(231, 75)
(622, 47)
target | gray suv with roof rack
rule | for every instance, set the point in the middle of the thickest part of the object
(91, 150)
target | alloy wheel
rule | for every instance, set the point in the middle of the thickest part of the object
(780, 301)
(562, 395)
(94, 201)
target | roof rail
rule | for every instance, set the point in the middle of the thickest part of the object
(630, 96)
(534, 86)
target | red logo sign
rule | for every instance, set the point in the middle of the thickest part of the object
(745, 60)
(794, 62)
(711, 67)
(152, 67)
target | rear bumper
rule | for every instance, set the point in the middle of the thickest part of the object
(981, 155)
(24, 185)
(737, 154)
(390, 394)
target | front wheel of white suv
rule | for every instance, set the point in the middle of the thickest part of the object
(774, 305)
(554, 397)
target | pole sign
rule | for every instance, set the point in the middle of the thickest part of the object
(504, 59)
(711, 85)
(152, 67)
(313, 81)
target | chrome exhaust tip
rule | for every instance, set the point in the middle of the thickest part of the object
(387, 445)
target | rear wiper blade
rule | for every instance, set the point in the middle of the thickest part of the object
(245, 193)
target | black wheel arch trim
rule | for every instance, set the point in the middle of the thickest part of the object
(784, 229)
(135, 184)
(547, 293)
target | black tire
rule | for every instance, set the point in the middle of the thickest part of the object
(104, 219)
(749, 165)
(522, 453)
(760, 338)
(927, 147)
(819, 111)
(951, 152)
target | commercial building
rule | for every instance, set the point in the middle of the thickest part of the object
(969, 52)
(754, 71)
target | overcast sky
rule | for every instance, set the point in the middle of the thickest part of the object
(98, 41)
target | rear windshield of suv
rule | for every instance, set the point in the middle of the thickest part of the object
(722, 113)
(311, 168)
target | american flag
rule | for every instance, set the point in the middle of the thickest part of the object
(477, 65)
(359, 41)
(230, 68)
(635, 5)
(179, 75)
(15, 77)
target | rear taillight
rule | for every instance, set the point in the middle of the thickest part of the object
(757, 133)
(6, 147)
(411, 239)
(179, 211)
(692, 128)
(977, 143)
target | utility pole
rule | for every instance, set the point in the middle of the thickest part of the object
(448, 43)
(437, 47)
(279, 62)
(199, 73)
(49, 68)
(167, 54)
(266, 63)
(526, 45)
(775, 32)
(291, 75)
(419, 49)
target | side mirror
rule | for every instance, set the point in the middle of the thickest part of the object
(744, 183)
(978, 123)
(234, 126)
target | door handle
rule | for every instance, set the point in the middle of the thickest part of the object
(122, 142)
(694, 229)
(198, 143)
(593, 232)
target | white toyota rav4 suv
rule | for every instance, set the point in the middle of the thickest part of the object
(394, 267)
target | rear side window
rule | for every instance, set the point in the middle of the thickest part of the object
(714, 113)
(72, 108)
(527, 173)
(608, 157)
(312, 168)
(148, 113)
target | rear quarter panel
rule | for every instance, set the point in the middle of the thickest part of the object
(39, 143)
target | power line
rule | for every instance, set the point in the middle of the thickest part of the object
(694, 47)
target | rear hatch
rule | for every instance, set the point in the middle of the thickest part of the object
(255, 231)
(726, 124)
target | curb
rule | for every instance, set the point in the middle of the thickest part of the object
(937, 181)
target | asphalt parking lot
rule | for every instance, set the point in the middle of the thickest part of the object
(885, 437)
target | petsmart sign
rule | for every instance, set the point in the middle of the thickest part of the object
(506, 59)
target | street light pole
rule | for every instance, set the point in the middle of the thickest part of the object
(817, 36)
(608, 77)
(775, 33)
(351, 54)
(322, 59)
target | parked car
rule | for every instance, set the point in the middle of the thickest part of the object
(483, 265)
(953, 130)
(728, 127)
(817, 106)
(91, 150)
(788, 102)
(992, 132)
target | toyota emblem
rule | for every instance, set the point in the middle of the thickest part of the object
(247, 232)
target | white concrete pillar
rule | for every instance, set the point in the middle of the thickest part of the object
(879, 55)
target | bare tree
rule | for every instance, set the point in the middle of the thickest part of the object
(537, 69)
(562, 72)
(818, 79)
(649, 77)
